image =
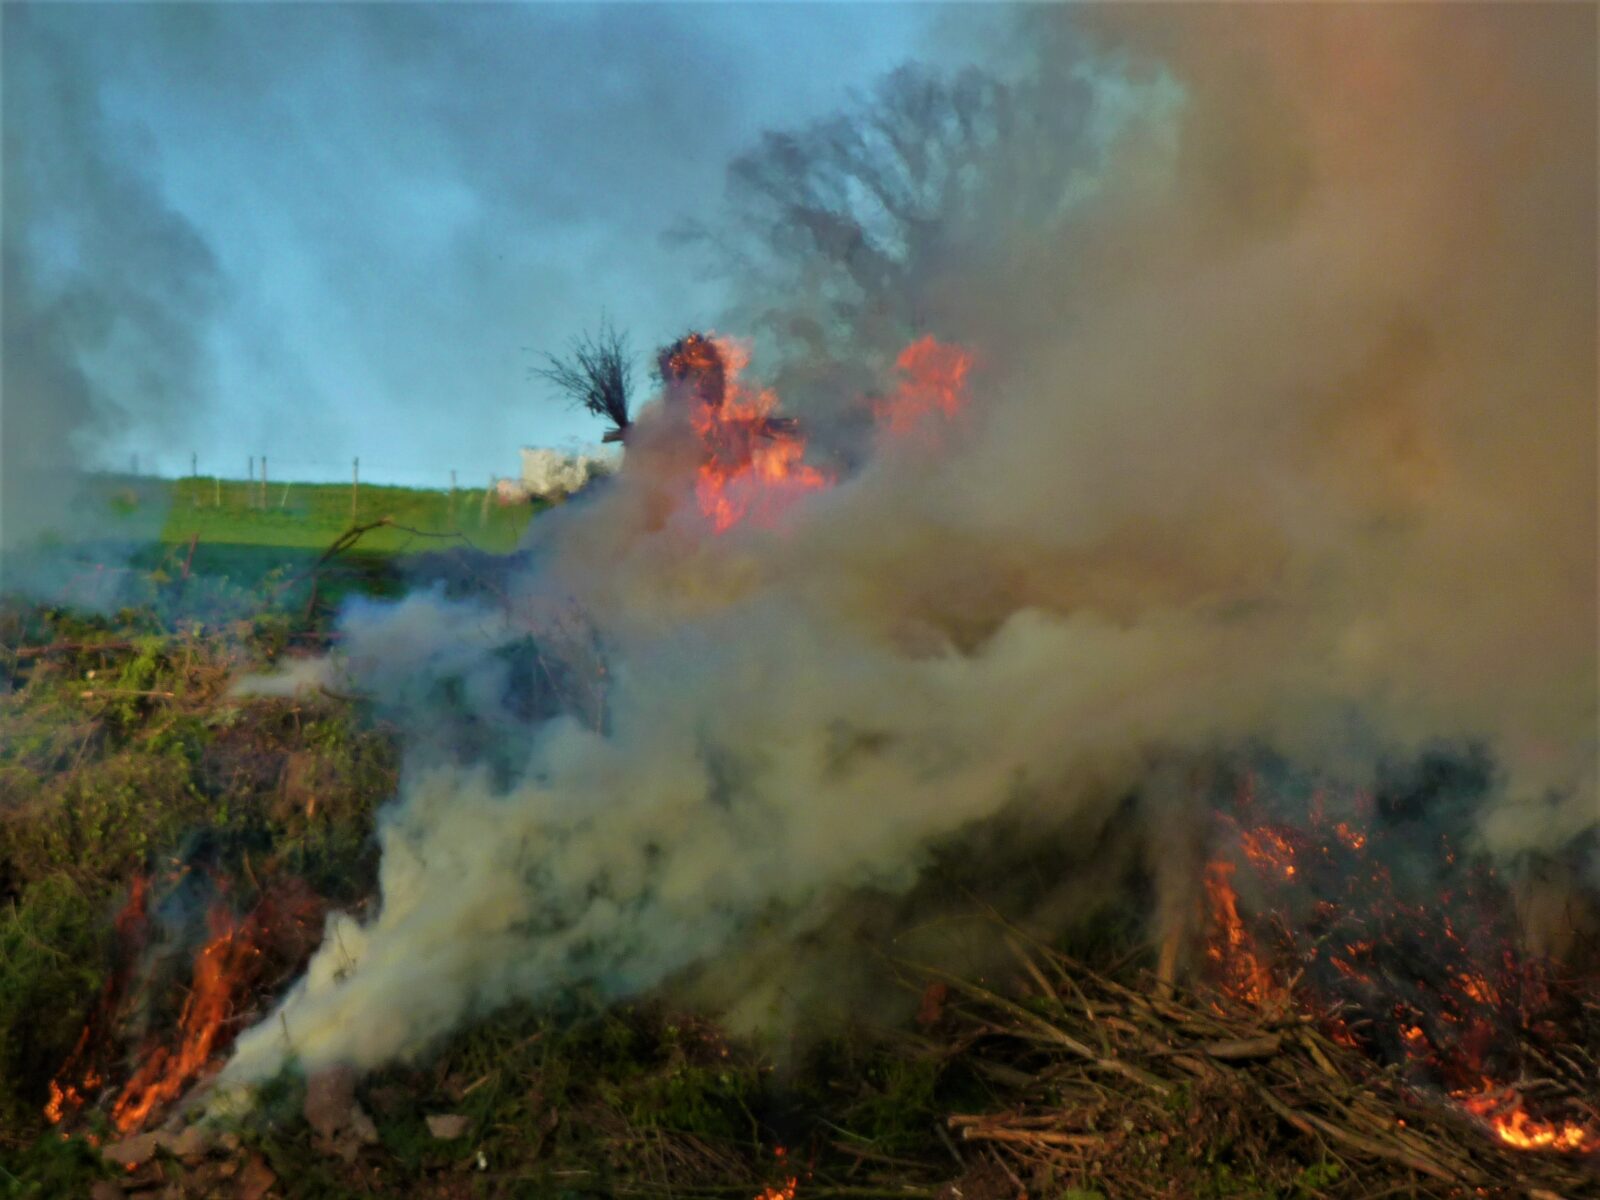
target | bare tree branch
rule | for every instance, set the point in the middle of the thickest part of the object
(596, 373)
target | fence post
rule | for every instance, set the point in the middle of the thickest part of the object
(263, 501)
(452, 497)
(355, 485)
(217, 489)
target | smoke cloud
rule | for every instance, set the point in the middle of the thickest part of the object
(107, 293)
(1282, 429)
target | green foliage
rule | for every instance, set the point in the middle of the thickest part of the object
(1318, 1177)
(52, 942)
(312, 515)
(103, 820)
(897, 1102)
(51, 1167)
(123, 755)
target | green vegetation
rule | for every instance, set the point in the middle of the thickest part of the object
(124, 756)
(309, 516)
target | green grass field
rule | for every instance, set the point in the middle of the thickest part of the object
(310, 516)
(199, 529)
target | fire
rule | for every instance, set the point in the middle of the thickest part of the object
(752, 460)
(1512, 1124)
(1385, 973)
(790, 1185)
(227, 967)
(1232, 949)
(221, 967)
(67, 1098)
(1270, 850)
(932, 385)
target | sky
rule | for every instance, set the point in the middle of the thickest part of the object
(317, 232)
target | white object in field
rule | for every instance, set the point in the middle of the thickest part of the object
(510, 491)
(550, 472)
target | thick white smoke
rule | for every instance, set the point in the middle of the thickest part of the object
(556, 473)
(1287, 432)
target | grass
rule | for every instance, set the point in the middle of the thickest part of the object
(309, 516)
(124, 756)
(199, 549)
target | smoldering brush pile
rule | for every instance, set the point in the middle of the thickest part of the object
(1144, 1090)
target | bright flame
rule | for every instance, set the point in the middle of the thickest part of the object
(753, 461)
(752, 464)
(1442, 1027)
(226, 968)
(221, 967)
(790, 1185)
(1502, 1109)
(67, 1098)
(1232, 949)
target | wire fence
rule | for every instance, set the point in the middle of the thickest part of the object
(272, 499)
(378, 473)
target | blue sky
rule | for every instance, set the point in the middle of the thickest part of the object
(321, 231)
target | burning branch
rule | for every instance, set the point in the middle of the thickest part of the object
(1131, 1072)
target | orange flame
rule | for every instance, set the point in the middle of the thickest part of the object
(1232, 949)
(226, 969)
(1269, 850)
(66, 1098)
(220, 968)
(790, 1185)
(1511, 1123)
(1446, 1033)
(753, 461)
(932, 386)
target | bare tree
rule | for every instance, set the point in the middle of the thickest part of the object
(596, 373)
(856, 233)
(866, 210)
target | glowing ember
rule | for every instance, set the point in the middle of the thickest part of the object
(1387, 973)
(790, 1185)
(1269, 850)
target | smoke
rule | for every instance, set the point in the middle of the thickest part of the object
(550, 472)
(107, 293)
(1282, 430)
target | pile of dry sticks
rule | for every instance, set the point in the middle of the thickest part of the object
(1149, 1090)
